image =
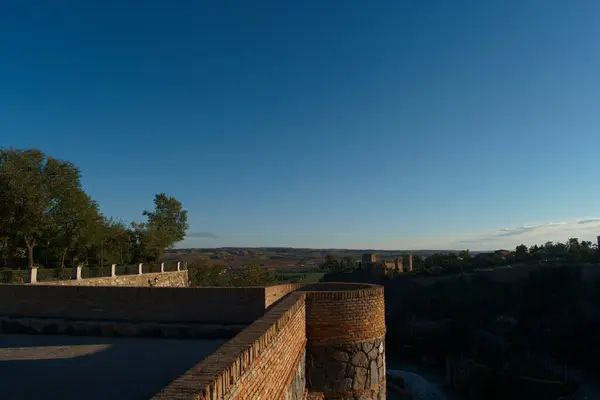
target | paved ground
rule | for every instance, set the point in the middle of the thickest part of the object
(84, 367)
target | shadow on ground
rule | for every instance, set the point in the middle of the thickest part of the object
(84, 367)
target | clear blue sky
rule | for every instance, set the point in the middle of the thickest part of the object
(382, 124)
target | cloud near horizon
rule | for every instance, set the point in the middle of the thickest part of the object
(584, 229)
(501, 238)
(201, 235)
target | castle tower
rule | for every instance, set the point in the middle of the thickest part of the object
(399, 265)
(407, 263)
(345, 340)
(369, 258)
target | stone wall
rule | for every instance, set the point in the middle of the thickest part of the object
(158, 279)
(134, 304)
(345, 331)
(265, 361)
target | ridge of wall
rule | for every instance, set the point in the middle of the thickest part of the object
(266, 360)
(275, 293)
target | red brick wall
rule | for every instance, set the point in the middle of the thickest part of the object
(344, 312)
(115, 303)
(345, 332)
(259, 363)
(274, 293)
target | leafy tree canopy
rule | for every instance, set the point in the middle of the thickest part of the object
(46, 216)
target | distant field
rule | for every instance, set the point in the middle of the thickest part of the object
(299, 277)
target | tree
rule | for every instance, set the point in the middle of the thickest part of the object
(45, 212)
(119, 242)
(332, 264)
(348, 263)
(521, 252)
(166, 225)
(75, 218)
(31, 188)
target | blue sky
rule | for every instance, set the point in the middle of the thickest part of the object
(383, 124)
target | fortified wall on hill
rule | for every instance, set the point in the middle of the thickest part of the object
(286, 342)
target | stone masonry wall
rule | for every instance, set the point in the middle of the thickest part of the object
(345, 330)
(158, 279)
(265, 361)
(134, 304)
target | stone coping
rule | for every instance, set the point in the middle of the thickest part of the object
(220, 371)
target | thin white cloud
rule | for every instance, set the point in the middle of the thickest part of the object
(584, 229)
(506, 237)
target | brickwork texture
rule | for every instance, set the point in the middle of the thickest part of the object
(327, 338)
(134, 304)
(345, 332)
(262, 362)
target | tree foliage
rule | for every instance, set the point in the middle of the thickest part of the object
(47, 218)
(332, 264)
(202, 274)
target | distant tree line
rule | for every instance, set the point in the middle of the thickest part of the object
(573, 250)
(333, 264)
(202, 274)
(47, 219)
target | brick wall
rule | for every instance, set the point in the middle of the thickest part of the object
(326, 337)
(345, 332)
(265, 361)
(137, 304)
(275, 293)
(158, 279)
(344, 312)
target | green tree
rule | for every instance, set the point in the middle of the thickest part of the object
(31, 188)
(331, 264)
(119, 242)
(465, 254)
(73, 220)
(166, 226)
(521, 252)
(348, 263)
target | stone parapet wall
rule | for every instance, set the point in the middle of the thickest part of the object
(265, 361)
(157, 279)
(353, 371)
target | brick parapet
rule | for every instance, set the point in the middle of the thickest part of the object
(340, 313)
(257, 363)
(336, 327)
(345, 331)
(277, 292)
(134, 304)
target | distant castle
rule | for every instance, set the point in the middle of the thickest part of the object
(401, 265)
